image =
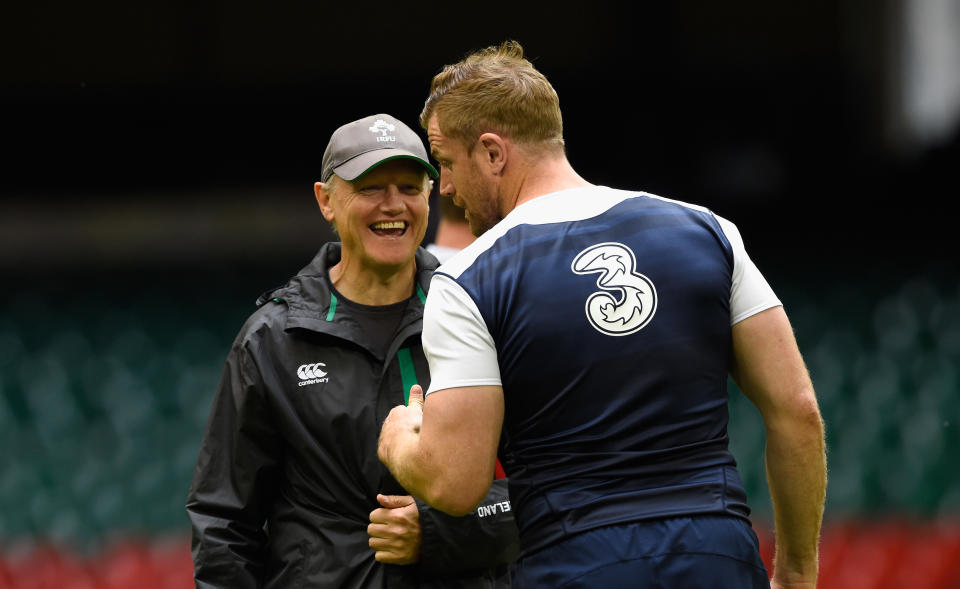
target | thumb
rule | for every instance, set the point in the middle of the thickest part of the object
(394, 501)
(416, 395)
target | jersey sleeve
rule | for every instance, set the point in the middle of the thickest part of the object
(456, 341)
(749, 292)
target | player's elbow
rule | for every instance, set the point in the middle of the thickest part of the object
(456, 496)
(806, 411)
(455, 507)
(800, 417)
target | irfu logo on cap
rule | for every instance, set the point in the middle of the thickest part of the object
(383, 127)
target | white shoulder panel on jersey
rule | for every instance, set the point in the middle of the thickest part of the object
(574, 204)
(749, 292)
(458, 345)
(456, 341)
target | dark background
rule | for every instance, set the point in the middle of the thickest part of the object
(157, 170)
(181, 135)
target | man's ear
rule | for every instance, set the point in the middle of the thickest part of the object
(322, 191)
(493, 149)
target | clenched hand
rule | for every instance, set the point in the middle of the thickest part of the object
(394, 530)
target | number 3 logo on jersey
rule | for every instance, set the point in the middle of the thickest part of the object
(636, 298)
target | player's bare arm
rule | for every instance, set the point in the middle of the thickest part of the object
(444, 450)
(770, 371)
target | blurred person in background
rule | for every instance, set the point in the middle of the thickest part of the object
(589, 332)
(288, 491)
(453, 231)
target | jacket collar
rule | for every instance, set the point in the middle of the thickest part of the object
(312, 305)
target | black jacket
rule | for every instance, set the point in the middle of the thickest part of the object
(288, 471)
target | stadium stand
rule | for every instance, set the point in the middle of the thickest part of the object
(103, 401)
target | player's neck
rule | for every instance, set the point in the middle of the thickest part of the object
(544, 176)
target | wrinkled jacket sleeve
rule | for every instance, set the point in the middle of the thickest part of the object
(484, 539)
(231, 486)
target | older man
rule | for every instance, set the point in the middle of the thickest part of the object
(590, 332)
(288, 491)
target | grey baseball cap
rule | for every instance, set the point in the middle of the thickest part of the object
(356, 148)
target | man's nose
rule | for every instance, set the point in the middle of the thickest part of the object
(446, 184)
(392, 198)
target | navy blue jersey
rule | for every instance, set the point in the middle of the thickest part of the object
(609, 318)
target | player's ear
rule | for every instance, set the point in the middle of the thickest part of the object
(494, 151)
(323, 192)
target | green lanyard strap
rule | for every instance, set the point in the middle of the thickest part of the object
(408, 374)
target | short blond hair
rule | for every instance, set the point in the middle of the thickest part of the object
(495, 90)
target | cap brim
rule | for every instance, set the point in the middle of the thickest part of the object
(363, 163)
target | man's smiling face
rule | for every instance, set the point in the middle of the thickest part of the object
(381, 217)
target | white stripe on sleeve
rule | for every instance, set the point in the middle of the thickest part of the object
(458, 346)
(749, 293)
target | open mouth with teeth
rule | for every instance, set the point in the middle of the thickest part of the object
(389, 228)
